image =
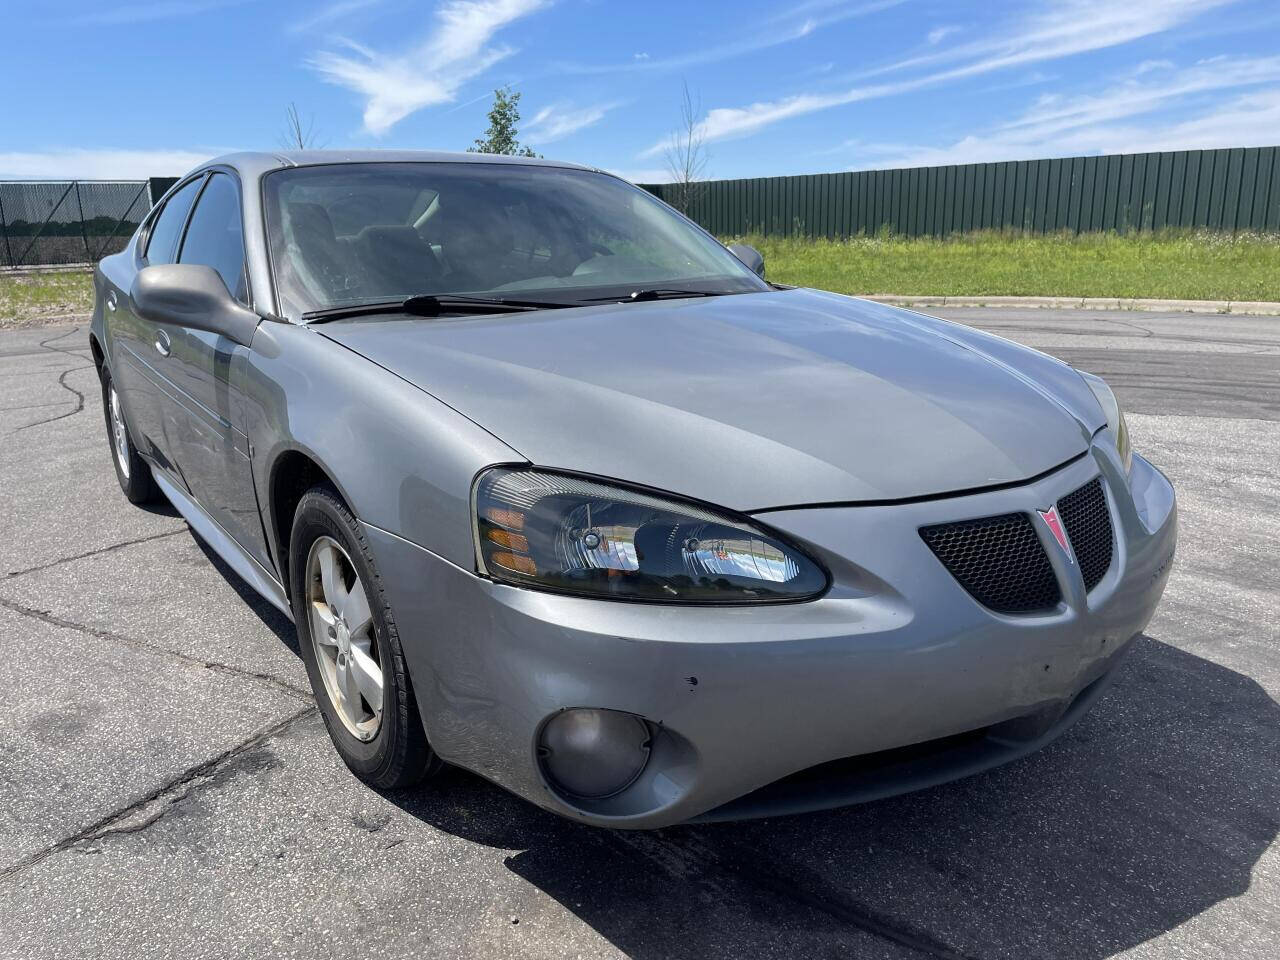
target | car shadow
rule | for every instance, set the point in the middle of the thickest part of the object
(273, 619)
(1151, 810)
(160, 507)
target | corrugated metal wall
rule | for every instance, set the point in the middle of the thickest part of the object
(1235, 189)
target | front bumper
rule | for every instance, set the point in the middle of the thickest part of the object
(896, 654)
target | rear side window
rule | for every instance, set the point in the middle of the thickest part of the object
(214, 237)
(162, 244)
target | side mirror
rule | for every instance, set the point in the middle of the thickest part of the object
(750, 256)
(192, 295)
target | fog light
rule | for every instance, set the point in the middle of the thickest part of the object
(593, 753)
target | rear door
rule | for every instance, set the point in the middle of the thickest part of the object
(142, 365)
(209, 442)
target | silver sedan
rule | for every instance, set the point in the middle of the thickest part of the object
(559, 489)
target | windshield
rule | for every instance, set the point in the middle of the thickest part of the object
(347, 234)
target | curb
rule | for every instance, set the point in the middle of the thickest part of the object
(47, 268)
(1260, 308)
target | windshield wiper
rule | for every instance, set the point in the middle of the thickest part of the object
(655, 293)
(433, 305)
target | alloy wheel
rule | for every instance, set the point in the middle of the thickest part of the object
(119, 433)
(343, 638)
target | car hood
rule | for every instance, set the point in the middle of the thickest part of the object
(750, 401)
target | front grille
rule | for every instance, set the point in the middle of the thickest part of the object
(999, 560)
(1084, 513)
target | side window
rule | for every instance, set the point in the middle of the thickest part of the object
(214, 237)
(162, 244)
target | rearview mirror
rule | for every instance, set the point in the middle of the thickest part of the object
(750, 256)
(192, 295)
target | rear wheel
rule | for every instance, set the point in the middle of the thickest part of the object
(351, 647)
(131, 470)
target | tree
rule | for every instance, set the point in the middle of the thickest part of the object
(296, 134)
(500, 138)
(686, 155)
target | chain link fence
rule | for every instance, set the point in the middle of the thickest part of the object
(49, 222)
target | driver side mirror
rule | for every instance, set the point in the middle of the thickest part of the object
(750, 256)
(192, 295)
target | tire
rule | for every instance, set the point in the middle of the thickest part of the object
(132, 471)
(387, 749)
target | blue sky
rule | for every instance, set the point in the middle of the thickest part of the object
(124, 88)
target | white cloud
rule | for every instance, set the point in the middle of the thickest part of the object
(85, 164)
(1053, 115)
(456, 50)
(329, 14)
(783, 29)
(938, 34)
(1061, 29)
(144, 12)
(1126, 118)
(643, 174)
(1078, 26)
(791, 10)
(560, 120)
(1245, 121)
(725, 122)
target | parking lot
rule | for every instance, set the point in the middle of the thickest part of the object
(167, 788)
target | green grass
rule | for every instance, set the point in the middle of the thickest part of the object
(1179, 266)
(40, 297)
(1182, 266)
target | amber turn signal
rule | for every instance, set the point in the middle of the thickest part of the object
(511, 519)
(512, 541)
(514, 563)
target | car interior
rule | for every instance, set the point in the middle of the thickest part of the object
(386, 243)
(349, 238)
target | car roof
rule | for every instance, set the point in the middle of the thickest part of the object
(253, 164)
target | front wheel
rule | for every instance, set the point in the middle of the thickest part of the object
(131, 470)
(351, 648)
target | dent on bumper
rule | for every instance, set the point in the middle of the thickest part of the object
(895, 654)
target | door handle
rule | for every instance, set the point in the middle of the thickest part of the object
(162, 343)
(111, 301)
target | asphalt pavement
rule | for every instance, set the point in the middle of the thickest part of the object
(167, 789)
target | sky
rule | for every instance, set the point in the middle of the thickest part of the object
(128, 89)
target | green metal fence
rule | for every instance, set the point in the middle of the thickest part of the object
(1231, 190)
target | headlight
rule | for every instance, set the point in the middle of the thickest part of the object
(576, 535)
(1115, 416)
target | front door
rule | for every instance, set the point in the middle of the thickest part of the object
(142, 366)
(209, 444)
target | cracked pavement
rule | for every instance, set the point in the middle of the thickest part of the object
(166, 787)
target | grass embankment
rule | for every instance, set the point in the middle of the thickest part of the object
(34, 298)
(1175, 266)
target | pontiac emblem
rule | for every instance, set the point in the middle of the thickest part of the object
(1054, 523)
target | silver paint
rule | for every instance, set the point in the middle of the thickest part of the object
(844, 424)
